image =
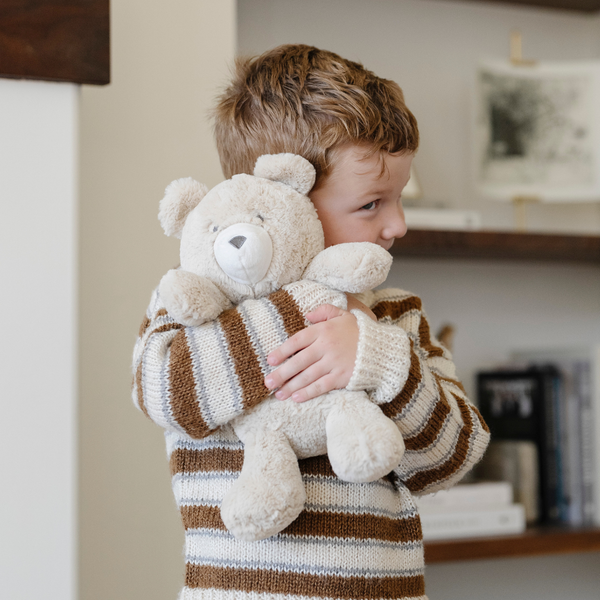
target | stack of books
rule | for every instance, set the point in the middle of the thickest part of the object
(543, 410)
(471, 510)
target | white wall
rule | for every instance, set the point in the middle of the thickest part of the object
(148, 127)
(431, 48)
(38, 219)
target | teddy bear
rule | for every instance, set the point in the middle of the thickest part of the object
(246, 238)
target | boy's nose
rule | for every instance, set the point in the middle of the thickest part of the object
(395, 227)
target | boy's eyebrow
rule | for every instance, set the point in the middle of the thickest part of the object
(373, 192)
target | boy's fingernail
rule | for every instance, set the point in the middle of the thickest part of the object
(296, 396)
(269, 383)
(280, 395)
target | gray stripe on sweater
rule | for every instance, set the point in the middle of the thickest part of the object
(304, 568)
(226, 358)
(309, 541)
(258, 349)
(212, 475)
(371, 510)
(165, 403)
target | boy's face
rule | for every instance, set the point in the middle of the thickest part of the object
(358, 202)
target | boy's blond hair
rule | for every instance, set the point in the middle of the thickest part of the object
(300, 99)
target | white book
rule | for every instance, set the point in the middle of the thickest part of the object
(468, 495)
(503, 520)
(442, 218)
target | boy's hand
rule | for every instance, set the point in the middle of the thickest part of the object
(323, 356)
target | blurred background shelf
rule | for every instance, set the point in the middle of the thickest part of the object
(578, 5)
(498, 245)
(534, 542)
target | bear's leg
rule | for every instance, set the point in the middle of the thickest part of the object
(269, 493)
(362, 443)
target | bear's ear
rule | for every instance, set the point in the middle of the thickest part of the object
(291, 169)
(181, 197)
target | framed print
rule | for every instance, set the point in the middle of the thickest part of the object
(537, 131)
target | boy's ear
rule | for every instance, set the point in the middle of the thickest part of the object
(181, 197)
(291, 169)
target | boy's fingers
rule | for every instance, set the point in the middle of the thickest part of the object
(321, 386)
(303, 379)
(324, 313)
(297, 342)
(298, 363)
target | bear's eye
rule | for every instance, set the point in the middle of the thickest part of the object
(215, 228)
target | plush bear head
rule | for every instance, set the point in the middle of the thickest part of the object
(250, 234)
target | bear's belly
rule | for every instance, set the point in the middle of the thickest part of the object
(303, 423)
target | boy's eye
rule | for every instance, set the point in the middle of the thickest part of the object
(370, 205)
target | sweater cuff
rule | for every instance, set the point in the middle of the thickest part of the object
(382, 359)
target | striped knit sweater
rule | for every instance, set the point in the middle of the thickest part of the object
(352, 541)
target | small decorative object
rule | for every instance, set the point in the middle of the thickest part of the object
(412, 190)
(538, 130)
(446, 336)
(247, 238)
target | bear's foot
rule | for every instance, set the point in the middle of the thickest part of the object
(362, 443)
(269, 493)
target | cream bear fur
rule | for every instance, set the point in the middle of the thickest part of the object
(246, 238)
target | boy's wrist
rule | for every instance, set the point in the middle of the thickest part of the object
(382, 359)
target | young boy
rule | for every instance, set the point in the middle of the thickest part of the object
(352, 541)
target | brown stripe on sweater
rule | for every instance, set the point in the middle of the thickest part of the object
(355, 526)
(247, 367)
(320, 586)
(425, 339)
(396, 308)
(316, 466)
(167, 327)
(140, 389)
(454, 382)
(145, 322)
(421, 480)
(396, 406)
(286, 306)
(202, 517)
(435, 422)
(185, 460)
(161, 312)
(184, 402)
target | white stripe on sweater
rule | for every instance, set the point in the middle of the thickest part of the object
(305, 555)
(215, 594)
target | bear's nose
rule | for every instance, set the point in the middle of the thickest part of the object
(237, 241)
(244, 251)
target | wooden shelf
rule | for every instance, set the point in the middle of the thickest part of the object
(535, 541)
(576, 5)
(498, 245)
(56, 40)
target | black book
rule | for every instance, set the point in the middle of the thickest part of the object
(521, 405)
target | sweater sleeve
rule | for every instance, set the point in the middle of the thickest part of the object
(413, 378)
(194, 379)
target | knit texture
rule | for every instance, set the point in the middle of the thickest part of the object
(352, 541)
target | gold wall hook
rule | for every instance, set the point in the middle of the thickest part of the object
(516, 51)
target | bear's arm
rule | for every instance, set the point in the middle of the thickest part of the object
(194, 379)
(412, 377)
